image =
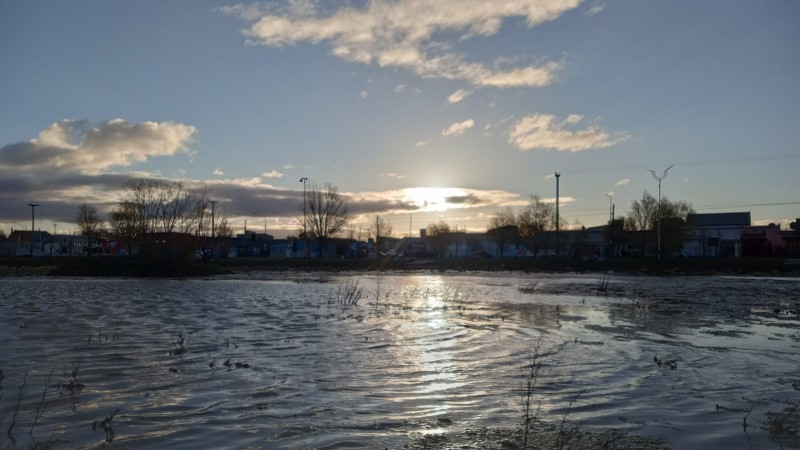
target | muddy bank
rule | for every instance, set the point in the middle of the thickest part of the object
(139, 267)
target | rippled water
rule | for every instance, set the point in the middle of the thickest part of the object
(418, 355)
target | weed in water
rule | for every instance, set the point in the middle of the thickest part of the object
(40, 406)
(105, 425)
(530, 377)
(179, 342)
(529, 287)
(15, 411)
(348, 293)
(72, 385)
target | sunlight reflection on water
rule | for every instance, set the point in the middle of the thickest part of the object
(419, 354)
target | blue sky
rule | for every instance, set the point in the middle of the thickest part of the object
(416, 110)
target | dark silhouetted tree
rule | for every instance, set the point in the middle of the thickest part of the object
(326, 213)
(89, 222)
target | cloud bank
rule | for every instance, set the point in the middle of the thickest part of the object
(544, 131)
(408, 34)
(80, 147)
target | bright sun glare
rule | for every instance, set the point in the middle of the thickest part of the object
(431, 199)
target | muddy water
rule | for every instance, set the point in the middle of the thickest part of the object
(418, 359)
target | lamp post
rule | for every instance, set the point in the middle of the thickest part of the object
(32, 205)
(265, 221)
(610, 224)
(558, 219)
(213, 236)
(658, 210)
(304, 180)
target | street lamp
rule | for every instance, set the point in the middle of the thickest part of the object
(265, 221)
(610, 223)
(32, 205)
(658, 211)
(304, 180)
(213, 236)
(558, 220)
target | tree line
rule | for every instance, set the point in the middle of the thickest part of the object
(154, 218)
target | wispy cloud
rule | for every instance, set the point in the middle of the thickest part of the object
(408, 34)
(272, 174)
(458, 96)
(622, 182)
(400, 88)
(362, 95)
(421, 143)
(80, 147)
(217, 172)
(392, 175)
(458, 128)
(544, 131)
(595, 9)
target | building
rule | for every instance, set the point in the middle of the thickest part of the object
(716, 235)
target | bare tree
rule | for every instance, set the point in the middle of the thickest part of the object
(380, 228)
(441, 235)
(88, 222)
(503, 229)
(644, 216)
(643, 213)
(152, 211)
(124, 221)
(326, 213)
(539, 216)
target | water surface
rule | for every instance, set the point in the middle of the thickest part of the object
(418, 355)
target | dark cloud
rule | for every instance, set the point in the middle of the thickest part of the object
(469, 199)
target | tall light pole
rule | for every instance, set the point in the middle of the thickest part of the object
(265, 221)
(610, 223)
(658, 210)
(558, 219)
(32, 205)
(304, 180)
(213, 230)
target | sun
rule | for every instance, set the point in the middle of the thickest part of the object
(431, 199)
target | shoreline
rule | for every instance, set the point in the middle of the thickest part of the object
(104, 266)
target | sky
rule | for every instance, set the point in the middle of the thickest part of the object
(415, 110)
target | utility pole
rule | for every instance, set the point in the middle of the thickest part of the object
(558, 219)
(304, 180)
(32, 205)
(610, 224)
(377, 232)
(658, 211)
(213, 230)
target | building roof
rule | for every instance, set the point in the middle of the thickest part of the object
(732, 219)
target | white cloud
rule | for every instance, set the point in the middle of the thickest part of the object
(217, 172)
(272, 174)
(408, 34)
(543, 131)
(458, 96)
(392, 175)
(595, 9)
(362, 95)
(622, 182)
(421, 143)
(458, 128)
(288, 166)
(78, 146)
(400, 88)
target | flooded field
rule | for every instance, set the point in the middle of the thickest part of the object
(399, 361)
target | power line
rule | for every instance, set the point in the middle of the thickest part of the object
(697, 162)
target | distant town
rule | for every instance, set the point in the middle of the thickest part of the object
(717, 235)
